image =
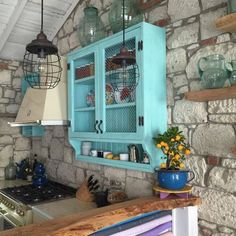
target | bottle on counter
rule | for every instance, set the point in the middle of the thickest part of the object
(10, 170)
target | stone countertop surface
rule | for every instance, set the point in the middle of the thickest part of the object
(63, 207)
(90, 221)
(12, 183)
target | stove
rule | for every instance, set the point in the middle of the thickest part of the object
(16, 202)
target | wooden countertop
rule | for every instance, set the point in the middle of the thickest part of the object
(85, 223)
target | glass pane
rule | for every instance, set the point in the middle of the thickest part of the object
(120, 105)
(84, 121)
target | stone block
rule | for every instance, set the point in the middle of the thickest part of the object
(217, 207)
(18, 98)
(6, 139)
(5, 154)
(2, 108)
(206, 224)
(138, 187)
(222, 178)
(135, 174)
(51, 169)
(22, 144)
(80, 177)
(183, 36)
(5, 76)
(4, 100)
(170, 93)
(5, 128)
(207, 23)
(47, 138)
(68, 155)
(66, 172)
(182, 90)
(2, 172)
(9, 93)
(214, 139)
(226, 230)
(74, 40)
(1, 92)
(222, 106)
(63, 46)
(68, 26)
(16, 83)
(20, 155)
(79, 14)
(211, 3)
(36, 146)
(176, 60)
(181, 9)
(114, 173)
(195, 85)
(58, 131)
(198, 165)
(12, 108)
(223, 38)
(56, 149)
(189, 112)
(179, 81)
(229, 163)
(97, 4)
(158, 13)
(230, 118)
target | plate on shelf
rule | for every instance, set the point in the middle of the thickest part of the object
(110, 96)
(90, 98)
(122, 96)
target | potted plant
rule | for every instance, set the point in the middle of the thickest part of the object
(172, 173)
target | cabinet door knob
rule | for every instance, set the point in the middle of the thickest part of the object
(99, 127)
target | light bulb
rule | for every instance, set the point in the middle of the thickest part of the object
(41, 66)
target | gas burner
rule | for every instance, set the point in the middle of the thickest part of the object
(30, 194)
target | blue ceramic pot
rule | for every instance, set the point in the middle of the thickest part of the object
(173, 179)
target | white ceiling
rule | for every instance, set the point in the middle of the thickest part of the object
(20, 23)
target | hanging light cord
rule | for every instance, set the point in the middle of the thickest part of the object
(41, 15)
(123, 23)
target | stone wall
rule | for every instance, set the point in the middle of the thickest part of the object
(11, 141)
(209, 126)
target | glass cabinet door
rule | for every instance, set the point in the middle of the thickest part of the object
(120, 106)
(84, 101)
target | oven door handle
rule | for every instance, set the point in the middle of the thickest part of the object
(13, 221)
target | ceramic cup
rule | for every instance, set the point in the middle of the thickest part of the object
(106, 153)
(100, 154)
(94, 153)
(124, 156)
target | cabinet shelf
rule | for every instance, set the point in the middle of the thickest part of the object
(211, 94)
(227, 23)
(85, 109)
(85, 81)
(116, 163)
(122, 105)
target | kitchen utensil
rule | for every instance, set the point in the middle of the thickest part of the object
(213, 71)
(93, 153)
(100, 153)
(124, 156)
(101, 198)
(122, 97)
(86, 147)
(136, 152)
(10, 170)
(106, 153)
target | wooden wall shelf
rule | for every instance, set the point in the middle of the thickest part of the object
(227, 23)
(211, 94)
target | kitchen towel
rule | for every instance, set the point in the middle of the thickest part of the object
(130, 223)
(158, 230)
(144, 227)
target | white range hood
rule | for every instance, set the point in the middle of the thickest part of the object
(44, 107)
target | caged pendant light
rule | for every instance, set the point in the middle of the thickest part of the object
(41, 65)
(124, 73)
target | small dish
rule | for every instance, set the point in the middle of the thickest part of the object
(122, 96)
(110, 97)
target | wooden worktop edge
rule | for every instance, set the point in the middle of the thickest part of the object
(90, 221)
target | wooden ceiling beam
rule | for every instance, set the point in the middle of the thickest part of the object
(12, 21)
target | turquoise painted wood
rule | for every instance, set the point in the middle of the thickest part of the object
(108, 124)
(30, 131)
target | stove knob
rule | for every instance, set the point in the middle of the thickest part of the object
(21, 213)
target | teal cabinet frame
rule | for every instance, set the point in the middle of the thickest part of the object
(142, 118)
(30, 131)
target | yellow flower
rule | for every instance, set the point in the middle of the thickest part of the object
(187, 152)
(172, 140)
(163, 165)
(180, 147)
(181, 166)
(177, 137)
(158, 145)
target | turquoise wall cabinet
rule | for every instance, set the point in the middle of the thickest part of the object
(108, 119)
(30, 131)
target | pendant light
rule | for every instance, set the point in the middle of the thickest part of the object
(41, 65)
(124, 71)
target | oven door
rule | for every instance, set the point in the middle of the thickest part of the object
(8, 222)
